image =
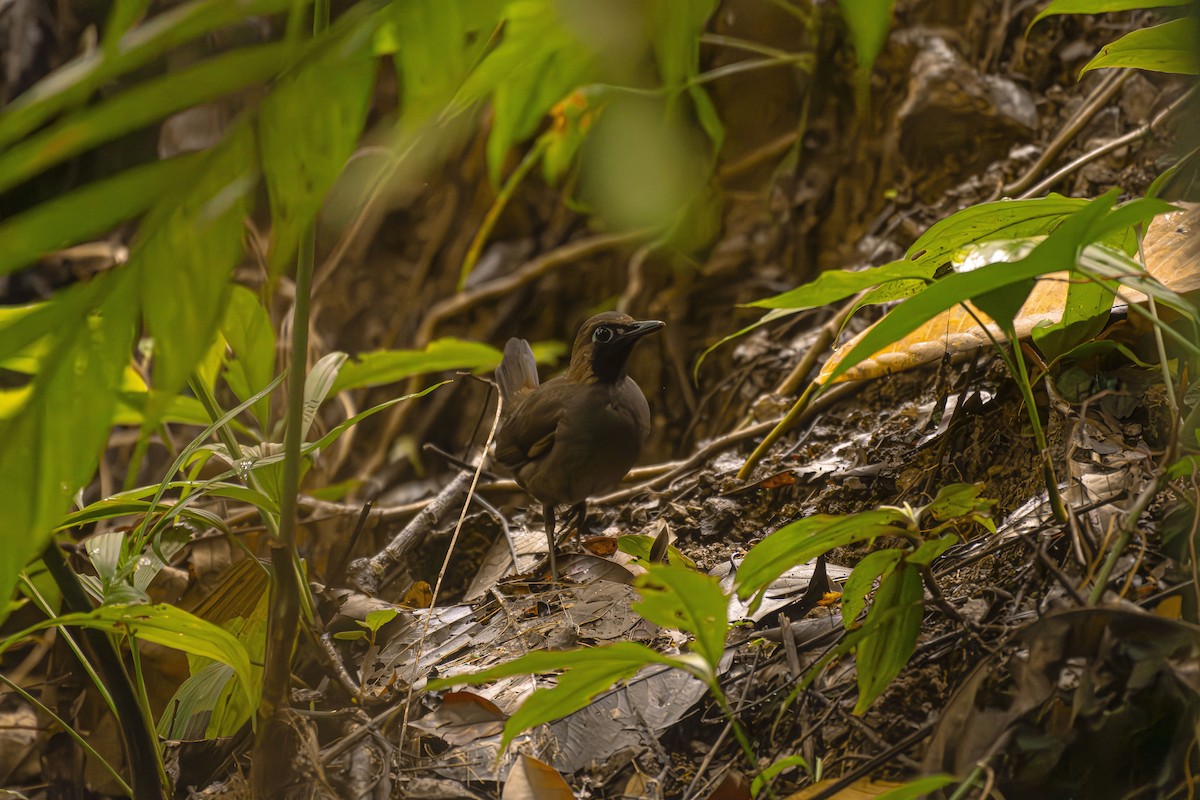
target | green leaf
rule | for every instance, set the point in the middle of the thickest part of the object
(247, 329)
(138, 107)
(317, 384)
(1060, 250)
(186, 255)
(52, 443)
(438, 43)
(304, 147)
(868, 21)
(957, 500)
(538, 62)
(930, 549)
(1098, 7)
(862, 581)
(389, 366)
(803, 540)
(87, 212)
(897, 612)
(588, 672)
(1170, 47)
(677, 597)
(916, 789)
(836, 284)
(161, 624)
(71, 84)
(1003, 219)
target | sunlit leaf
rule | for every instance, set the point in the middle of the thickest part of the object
(1098, 7)
(690, 601)
(803, 540)
(1170, 47)
(388, 366)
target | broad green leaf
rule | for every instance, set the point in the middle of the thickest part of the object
(388, 366)
(1098, 7)
(1084, 317)
(437, 44)
(803, 540)
(52, 444)
(690, 601)
(161, 624)
(838, 284)
(72, 83)
(185, 256)
(1060, 250)
(1003, 219)
(137, 107)
(957, 500)
(930, 549)
(90, 211)
(1170, 47)
(587, 673)
(898, 609)
(862, 581)
(304, 147)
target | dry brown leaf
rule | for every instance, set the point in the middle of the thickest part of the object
(530, 779)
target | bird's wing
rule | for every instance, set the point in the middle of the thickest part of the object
(529, 432)
(517, 374)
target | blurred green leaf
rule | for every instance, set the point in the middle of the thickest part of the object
(537, 63)
(137, 107)
(247, 329)
(72, 83)
(1170, 47)
(185, 256)
(304, 147)
(868, 21)
(1098, 7)
(92, 210)
(52, 443)
(690, 601)
(897, 611)
(388, 366)
(437, 45)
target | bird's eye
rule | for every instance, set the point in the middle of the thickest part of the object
(602, 335)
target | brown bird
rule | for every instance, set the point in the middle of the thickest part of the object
(575, 436)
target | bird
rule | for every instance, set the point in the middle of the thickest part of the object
(575, 436)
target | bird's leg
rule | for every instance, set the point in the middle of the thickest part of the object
(578, 515)
(551, 544)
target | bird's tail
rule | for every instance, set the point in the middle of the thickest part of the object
(517, 372)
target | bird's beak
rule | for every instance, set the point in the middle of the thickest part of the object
(639, 329)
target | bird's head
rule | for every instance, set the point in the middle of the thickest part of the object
(603, 345)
